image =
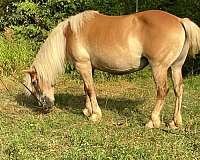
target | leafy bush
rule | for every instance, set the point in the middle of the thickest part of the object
(33, 19)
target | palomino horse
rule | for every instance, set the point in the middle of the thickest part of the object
(117, 44)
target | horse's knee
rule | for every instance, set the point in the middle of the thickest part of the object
(162, 91)
(178, 90)
(89, 89)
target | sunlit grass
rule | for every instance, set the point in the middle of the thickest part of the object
(15, 55)
(126, 105)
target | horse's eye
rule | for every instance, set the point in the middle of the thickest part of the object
(34, 82)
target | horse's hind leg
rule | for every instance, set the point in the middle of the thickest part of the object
(178, 90)
(92, 107)
(160, 78)
(178, 85)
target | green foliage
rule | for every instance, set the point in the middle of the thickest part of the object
(14, 55)
(4, 5)
(34, 19)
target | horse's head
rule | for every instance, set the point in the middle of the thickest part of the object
(42, 90)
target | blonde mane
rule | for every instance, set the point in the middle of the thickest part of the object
(51, 58)
(77, 21)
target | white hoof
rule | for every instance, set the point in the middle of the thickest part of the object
(173, 125)
(86, 112)
(95, 118)
(149, 124)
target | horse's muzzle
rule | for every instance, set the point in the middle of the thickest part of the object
(46, 104)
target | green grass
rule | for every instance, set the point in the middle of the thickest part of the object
(15, 55)
(126, 105)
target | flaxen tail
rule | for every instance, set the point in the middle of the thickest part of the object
(192, 35)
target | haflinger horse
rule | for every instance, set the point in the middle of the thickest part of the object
(117, 44)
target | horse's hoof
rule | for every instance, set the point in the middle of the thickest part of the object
(86, 112)
(95, 118)
(172, 125)
(149, 124)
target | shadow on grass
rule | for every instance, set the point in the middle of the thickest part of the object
(76, 103)
(27, 101)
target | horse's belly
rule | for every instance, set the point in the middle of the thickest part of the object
(119, 54)
(120, 63)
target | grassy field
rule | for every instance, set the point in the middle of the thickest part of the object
(126, 105)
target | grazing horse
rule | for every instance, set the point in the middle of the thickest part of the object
(117, 44)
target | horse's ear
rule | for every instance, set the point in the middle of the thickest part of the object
(30, 71)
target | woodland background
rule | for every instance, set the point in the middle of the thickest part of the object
(24, 25)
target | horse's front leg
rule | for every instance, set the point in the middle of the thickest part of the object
(87, 111)
(92, 108)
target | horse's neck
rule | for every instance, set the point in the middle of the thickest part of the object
(50, 60)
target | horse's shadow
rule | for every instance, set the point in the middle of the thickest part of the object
(76, 103)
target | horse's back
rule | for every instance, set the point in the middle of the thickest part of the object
(119, 42)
